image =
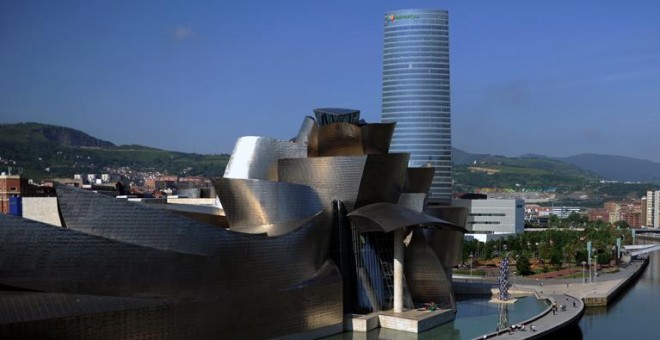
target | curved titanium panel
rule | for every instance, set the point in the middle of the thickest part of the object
(340, 139)
(412, 201)
(447, 245)
(418, 180)
(426, 277)
(382, 179)
(306, 129)
(256, 157)
(339, 176)
(134, 223)
(211, 294)
(376, 137)
(386, 217)
(40, 257)
(354, 180)
(456, 215)
(313, 142)
(275, 208)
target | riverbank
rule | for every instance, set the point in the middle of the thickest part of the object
(574, 294)
(568, 312)
(600, 292)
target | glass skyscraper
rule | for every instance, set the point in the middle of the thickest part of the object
(416, 91)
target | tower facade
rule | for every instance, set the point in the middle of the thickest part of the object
(653, 209)
(416, 91)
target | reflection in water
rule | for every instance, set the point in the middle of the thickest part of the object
(503, 311)
(476, 316)
(633, 314)
(600, 310)
(574, 333)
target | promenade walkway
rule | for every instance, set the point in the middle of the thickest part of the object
(569, 310)
(597, 293)
(574, 294)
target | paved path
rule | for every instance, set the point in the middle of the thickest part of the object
(546, 322)
(573, 293)
(603, 287)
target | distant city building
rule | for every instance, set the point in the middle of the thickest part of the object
(561, 212)
(643, 209)
(630, 211)
(416, 91)
(652, 209)
(492, 218)
(11, 187)
(598, 214)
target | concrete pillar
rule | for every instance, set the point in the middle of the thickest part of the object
(398, 271)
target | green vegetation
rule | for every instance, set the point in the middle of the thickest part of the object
(520, 173)
(43, 151)
(523, 266)
(553, 249)
(626, 190)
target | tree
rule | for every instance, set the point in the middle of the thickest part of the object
(523, 266)
(621, 224)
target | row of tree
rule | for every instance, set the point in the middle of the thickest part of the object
(553, 248)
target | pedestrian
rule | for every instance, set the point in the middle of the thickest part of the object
(574, 304)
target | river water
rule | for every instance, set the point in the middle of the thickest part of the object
(634, 315)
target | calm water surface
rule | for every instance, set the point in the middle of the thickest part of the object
(634, 315)
(474, 317)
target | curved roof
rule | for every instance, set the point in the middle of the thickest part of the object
(336, 111)
(388, 217)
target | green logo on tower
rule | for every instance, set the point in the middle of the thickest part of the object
(394, 17)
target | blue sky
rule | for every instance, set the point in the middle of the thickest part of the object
(546, 77)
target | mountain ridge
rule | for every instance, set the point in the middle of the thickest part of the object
(46, 151)
(609, 167)
(63, 150)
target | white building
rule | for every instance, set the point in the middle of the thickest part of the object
(490, 219)
(652, 209)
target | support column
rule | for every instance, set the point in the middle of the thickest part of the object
(398, 271)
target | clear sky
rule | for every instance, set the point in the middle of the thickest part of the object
(549, 77)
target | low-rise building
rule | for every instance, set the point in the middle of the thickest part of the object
(493, 218)
(12, 187)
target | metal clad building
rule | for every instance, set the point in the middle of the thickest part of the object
(416, 91)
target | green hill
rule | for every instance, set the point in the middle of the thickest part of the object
(517, 173)
(42, 151)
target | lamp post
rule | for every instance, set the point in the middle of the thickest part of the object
(584, 264)
(595, 267)
(538, 252)
(471, 256)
